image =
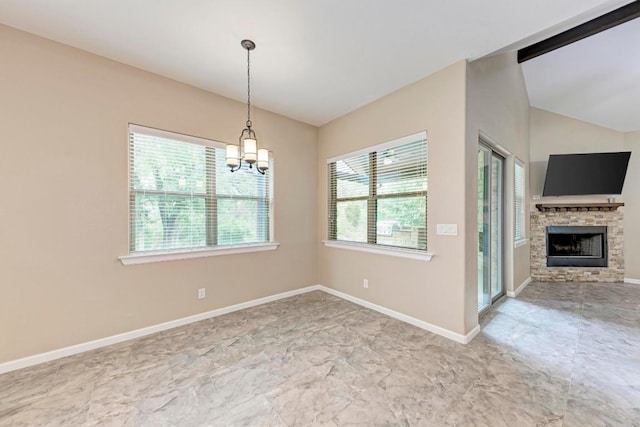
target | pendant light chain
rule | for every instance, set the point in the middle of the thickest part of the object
(249, 88)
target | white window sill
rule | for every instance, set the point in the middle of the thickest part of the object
(144, 258)
(378, 249)
(519, 243)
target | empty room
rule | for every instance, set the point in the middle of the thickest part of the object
(335, 213)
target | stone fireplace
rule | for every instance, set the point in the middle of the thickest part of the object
(577, 243)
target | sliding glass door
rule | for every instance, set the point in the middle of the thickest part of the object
(490, 226)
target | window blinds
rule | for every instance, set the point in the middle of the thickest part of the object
(519, 201)
(182, 196)
(380, 196)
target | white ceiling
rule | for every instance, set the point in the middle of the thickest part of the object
(315, 60)
(596, 80)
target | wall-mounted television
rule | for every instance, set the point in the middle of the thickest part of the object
(586, 174)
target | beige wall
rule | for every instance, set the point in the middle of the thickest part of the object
(64, 220)
(631, 193)
(556, 134)
(429, 291)
(497, 109)
(454, 106)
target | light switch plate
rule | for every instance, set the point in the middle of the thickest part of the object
(447, 229)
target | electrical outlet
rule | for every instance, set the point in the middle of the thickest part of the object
(365, 283)
(201, 293)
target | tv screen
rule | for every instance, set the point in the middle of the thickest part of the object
(585, 174)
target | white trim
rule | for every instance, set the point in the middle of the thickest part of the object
(471, 335)
(463, 339)
(272, 200)
(175, 136)
(114, 339)
(25, 362)
(520, 288)
(380, 250)
(485, 139)
(144, 258)
(633, 281)
(420, 136)
(522, 240)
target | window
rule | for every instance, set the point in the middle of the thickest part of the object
(379, 196)
(519, 201)
(182, 196)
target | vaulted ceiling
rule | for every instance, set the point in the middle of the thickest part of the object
(596, 79)
(315, 60)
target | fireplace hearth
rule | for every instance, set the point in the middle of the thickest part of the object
(576, 246)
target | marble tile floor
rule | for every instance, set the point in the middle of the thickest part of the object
(561, 354)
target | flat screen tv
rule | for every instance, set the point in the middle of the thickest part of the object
(585, 174)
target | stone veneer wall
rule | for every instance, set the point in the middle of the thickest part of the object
(613, 220)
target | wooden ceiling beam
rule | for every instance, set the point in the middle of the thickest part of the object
(609, 20)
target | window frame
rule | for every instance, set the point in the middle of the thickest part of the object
(521, 239)
(372, 199)
(211, 248)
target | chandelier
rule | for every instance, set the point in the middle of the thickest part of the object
(247, 147)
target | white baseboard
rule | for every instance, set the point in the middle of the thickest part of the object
(520, 288)
(463, 339)
(114, 339)
(634, 281)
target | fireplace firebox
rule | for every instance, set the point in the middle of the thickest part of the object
(576, 246)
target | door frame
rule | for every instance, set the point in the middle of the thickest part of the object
(494, 151)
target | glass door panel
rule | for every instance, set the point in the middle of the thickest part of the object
(490, 226)
(484, 249)
(496, 225)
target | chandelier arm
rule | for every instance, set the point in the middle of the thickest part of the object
(237, 167)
